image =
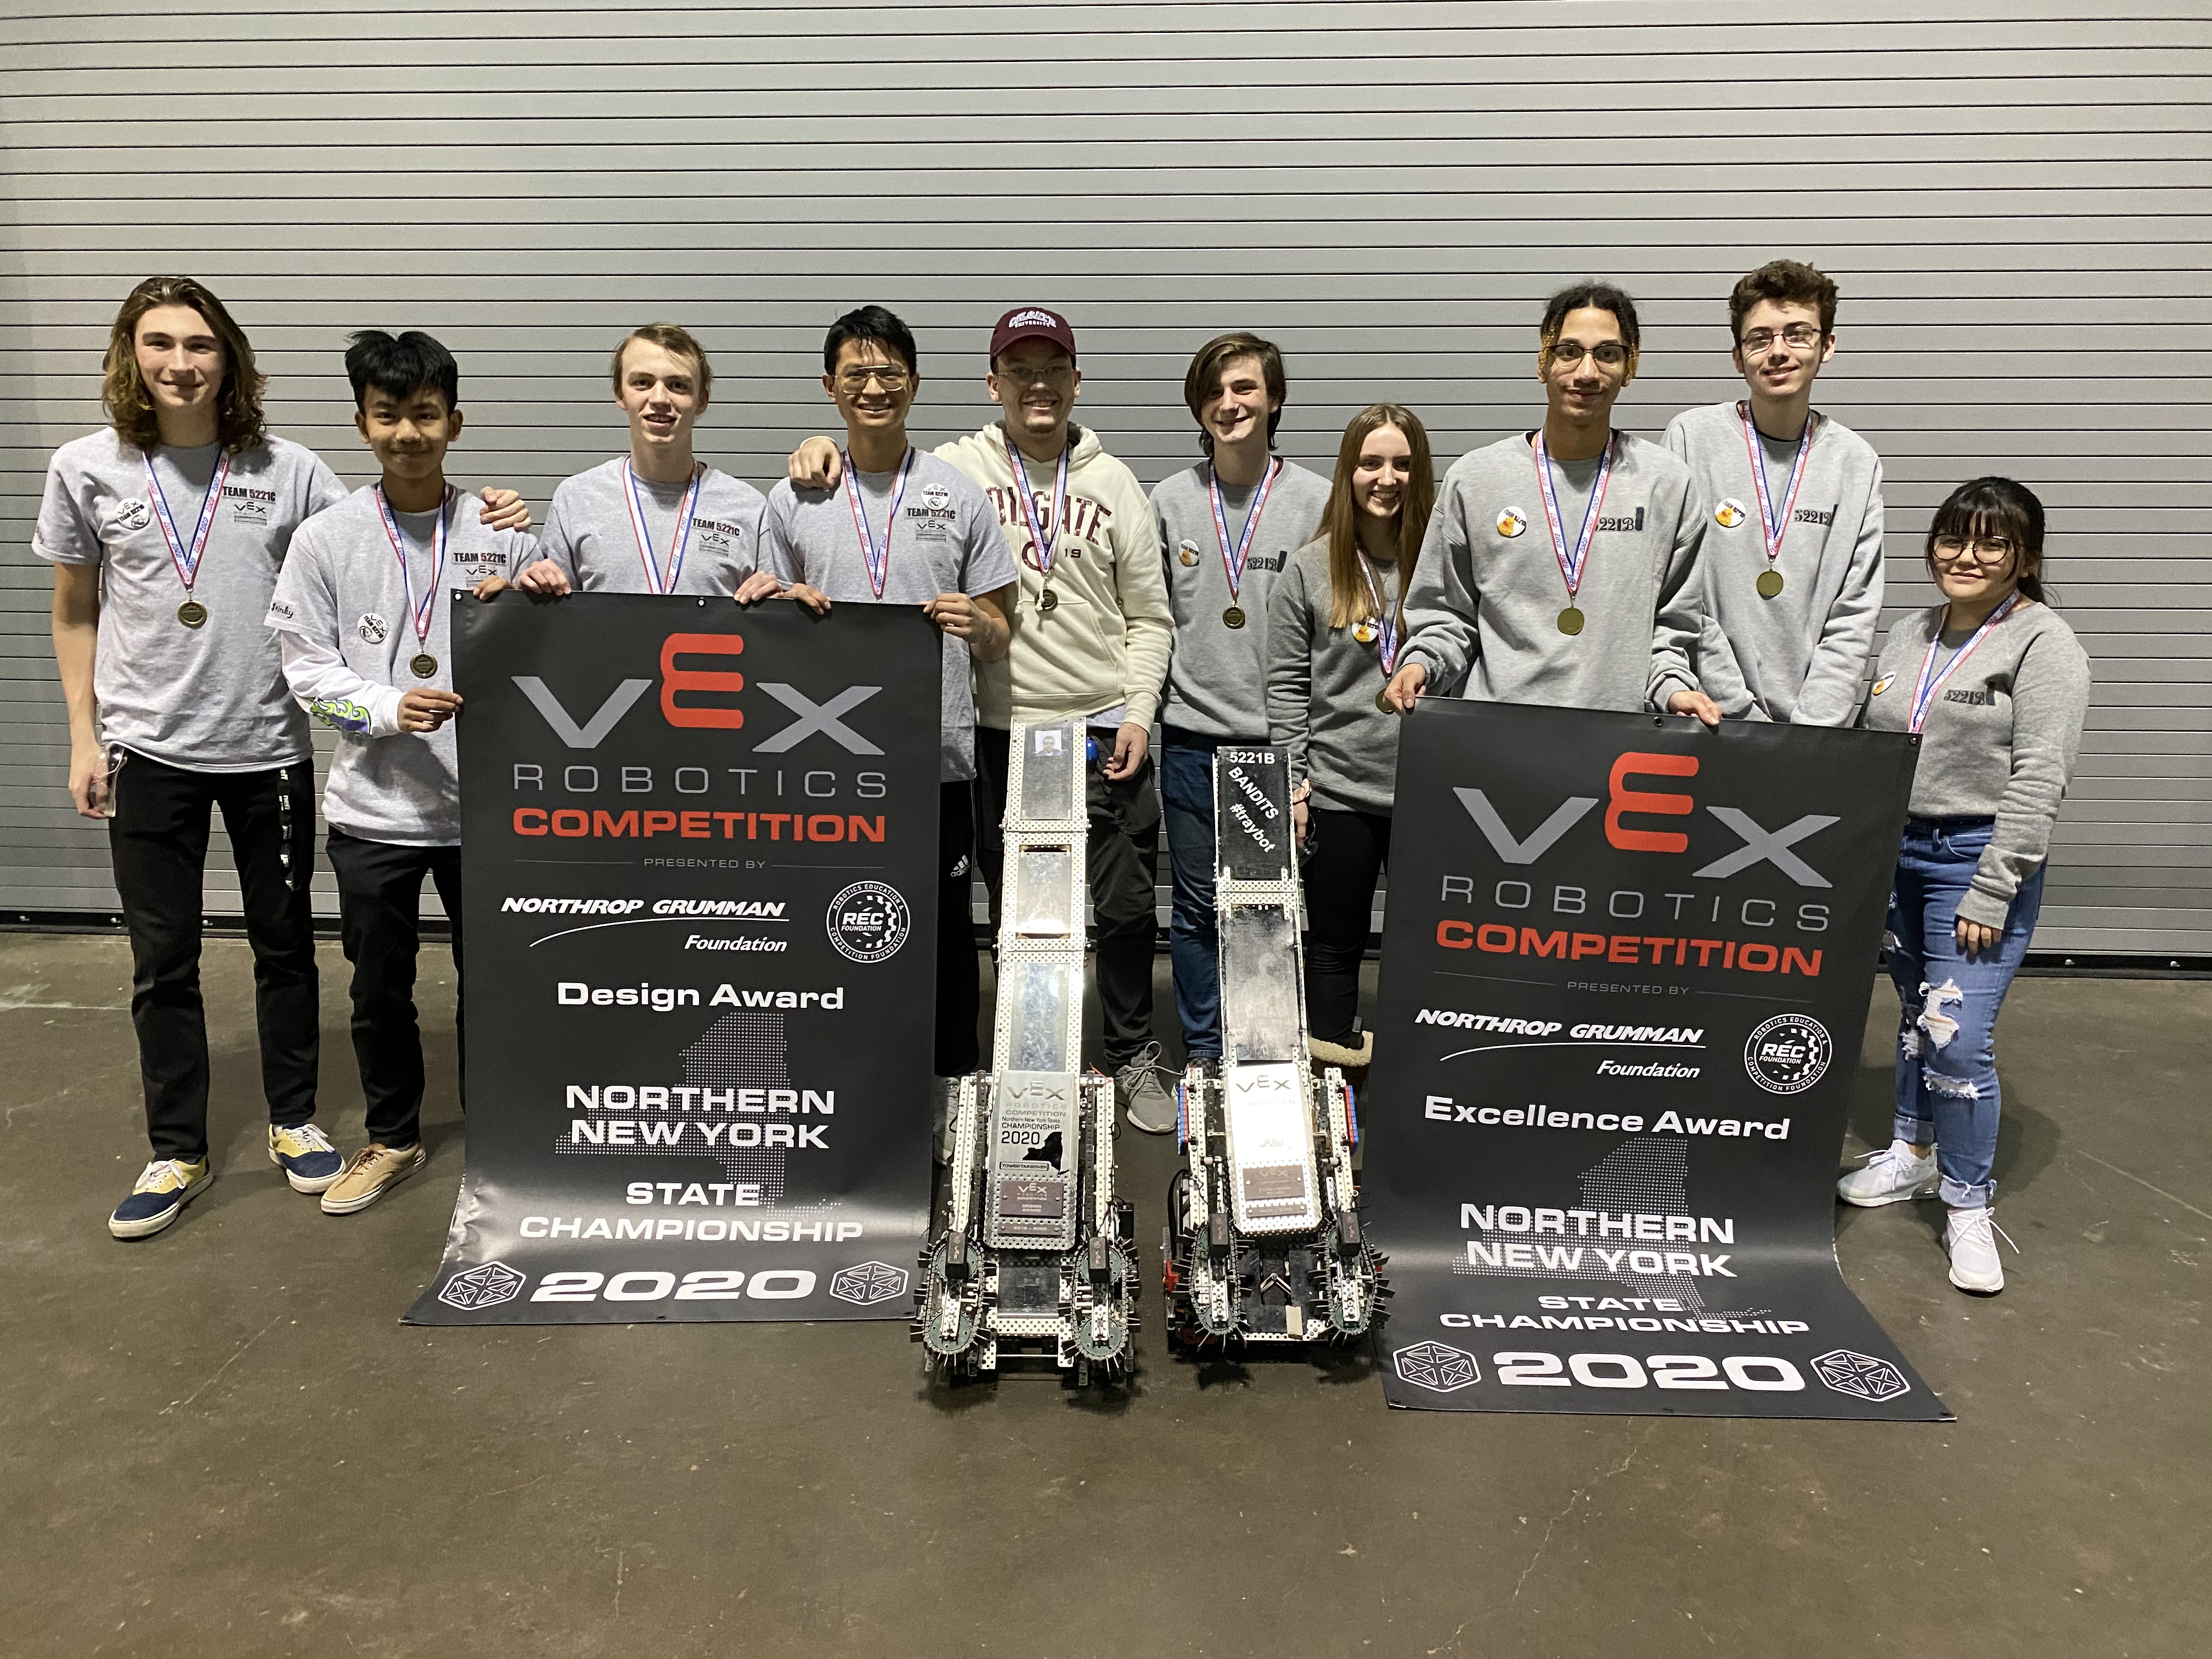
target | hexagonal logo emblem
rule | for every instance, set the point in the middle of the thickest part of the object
(866, 1283)
(1860, 1376)
(1437, 1366)
(482, 1287)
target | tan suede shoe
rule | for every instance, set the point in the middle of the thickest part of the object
(369, 1174)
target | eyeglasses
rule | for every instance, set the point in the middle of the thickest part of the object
(1798, 337)
(1610, 354)
(1055, 373)
(856, 380)
(1994, 549)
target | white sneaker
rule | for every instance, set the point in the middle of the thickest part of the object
(1971, 1239)
(1890, 1175)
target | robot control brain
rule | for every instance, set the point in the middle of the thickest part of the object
(1264, 1242)
(1036, 1259)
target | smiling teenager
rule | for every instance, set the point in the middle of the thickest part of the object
(361, 611)
(1228, 526)
(658, 520)
(1335, 625)
(166, 532)
(1997, 687)
(1561, 565)
(1793, 557)
(902, 527)
(1089, 640)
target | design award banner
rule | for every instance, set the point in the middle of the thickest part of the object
(698, 967)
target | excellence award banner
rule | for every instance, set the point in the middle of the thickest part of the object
(699, 893)
(1624, 978)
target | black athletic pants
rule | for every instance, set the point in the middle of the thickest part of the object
(1122, 852)
(1349, 851)
(158, 841)
(379, 921)
(959, 970)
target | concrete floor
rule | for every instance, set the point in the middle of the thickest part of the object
(221, 1443)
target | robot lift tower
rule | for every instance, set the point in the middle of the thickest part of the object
(1264, 1242)
(1036, 1260)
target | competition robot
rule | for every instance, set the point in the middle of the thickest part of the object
(1036, 1260)
(1264, 1242)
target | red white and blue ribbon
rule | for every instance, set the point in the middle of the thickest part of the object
(878, 558)
(1043, 543)
(186, 558)
(1232, 565)
(1571, 564)
(1386, 624)
(679, 539)
(422, 610)
(1929, 683)
(1772, 524)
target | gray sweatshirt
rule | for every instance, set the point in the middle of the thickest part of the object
(1321, 684)
(1482, 609)
(1216, 680)
(2000, 737)
(1800, 656)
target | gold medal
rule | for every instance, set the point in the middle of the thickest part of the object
(1233, 616)
(1364, 630)
(423, 665)
(192, 614)
(1048, 600)
(1769, 583)
(1382, 702)
(1571, 620)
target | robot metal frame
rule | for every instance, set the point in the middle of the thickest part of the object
(1036, 1260)
(1264, 1243)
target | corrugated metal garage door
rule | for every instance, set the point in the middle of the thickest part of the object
(2012, 197)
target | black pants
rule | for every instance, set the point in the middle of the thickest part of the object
(1349, 851)
(1123, 854)
(379, 921)
(158, 841)
(959, 970)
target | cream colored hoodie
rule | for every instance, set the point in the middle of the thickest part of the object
(1106, 643)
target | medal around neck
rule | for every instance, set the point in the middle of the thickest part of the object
(423, 665)
(1382, 702)
(1769, 584)
(1233, 616)
(1571, 620)
(1048, 600)
(192, 614)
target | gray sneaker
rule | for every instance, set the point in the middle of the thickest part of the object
(1143, 1089)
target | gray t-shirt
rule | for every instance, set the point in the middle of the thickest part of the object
(1483, 604)
(946, 540)
(590, 535)
(1322, 686)
(210, 698)
(2000, 737)
(1801, 654)
(342, 591)
(1218, 680)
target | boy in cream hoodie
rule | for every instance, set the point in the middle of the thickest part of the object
(1090, 639)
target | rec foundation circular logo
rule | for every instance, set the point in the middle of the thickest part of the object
(868, 921)
(1787, 1054)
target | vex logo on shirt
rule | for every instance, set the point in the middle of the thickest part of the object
(128, 516)
(717, 535)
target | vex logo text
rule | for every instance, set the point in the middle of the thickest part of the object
(681, 688)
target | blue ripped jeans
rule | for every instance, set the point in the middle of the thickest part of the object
(1946, 1070)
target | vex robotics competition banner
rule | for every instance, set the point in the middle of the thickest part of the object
(699, 895)
(1625, 980)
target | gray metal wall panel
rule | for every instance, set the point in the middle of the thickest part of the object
(2011, 193)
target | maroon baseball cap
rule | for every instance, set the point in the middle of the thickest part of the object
(1032, 323)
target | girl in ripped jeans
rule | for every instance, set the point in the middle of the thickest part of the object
(1995, 685)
